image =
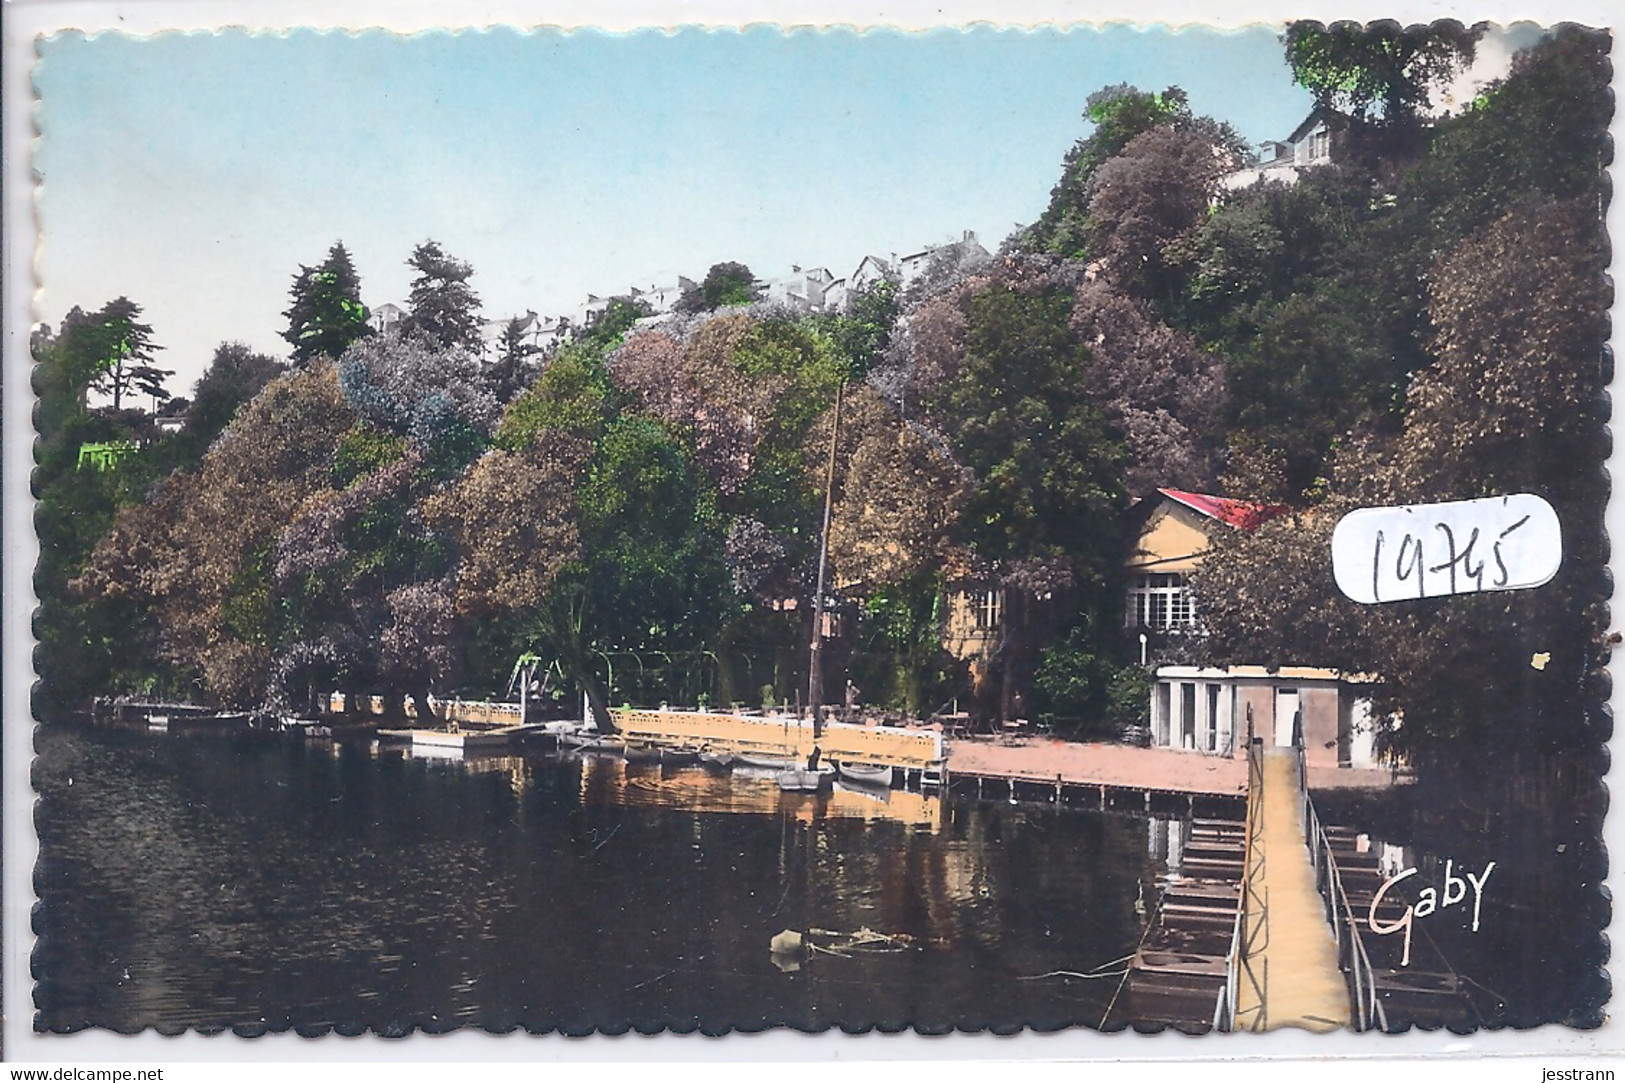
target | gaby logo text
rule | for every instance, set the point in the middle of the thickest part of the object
(1429, 901)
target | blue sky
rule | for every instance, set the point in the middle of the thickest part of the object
(194, 173)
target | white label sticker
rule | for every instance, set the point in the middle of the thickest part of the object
(1431, 550)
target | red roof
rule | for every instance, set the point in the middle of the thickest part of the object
(1238, 513)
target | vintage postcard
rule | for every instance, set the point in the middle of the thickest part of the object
(1065, 528)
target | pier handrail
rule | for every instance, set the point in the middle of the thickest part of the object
(1244, 939)
(1352, 958)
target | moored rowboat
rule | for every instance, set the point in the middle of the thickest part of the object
(867, 774)
(588, 741)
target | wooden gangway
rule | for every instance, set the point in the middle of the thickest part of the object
(1295, 977)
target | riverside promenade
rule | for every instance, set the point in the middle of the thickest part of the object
(1035, 761)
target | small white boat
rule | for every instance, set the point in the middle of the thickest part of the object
(766, 763)
(462, 740)
(865, 774)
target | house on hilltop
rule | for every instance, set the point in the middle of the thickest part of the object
(807, 290)
(386, 317)
(907, 269)
(1321, 139)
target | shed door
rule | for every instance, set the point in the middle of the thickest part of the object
(1286, 708)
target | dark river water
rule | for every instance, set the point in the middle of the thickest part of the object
(257, 885)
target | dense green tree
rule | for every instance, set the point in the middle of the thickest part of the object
(85, 647)
(1315, 296)
(863, 331)
(1356, 67)
(201, 551)
(572, 395)
(1514, 404)
(1020, 417)
(1541, 133)
(725, 284)
(234, 376)
(652, 540)
(327, 314)
(1047, 468)
(650, 576)
(1084, 691)
(443, 306)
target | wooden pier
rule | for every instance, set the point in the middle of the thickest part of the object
(1182, 966)
(1098, 776)
(1267, 924)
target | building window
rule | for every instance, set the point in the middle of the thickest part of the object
(1320, 145)
(988, 610)
(1160, 602)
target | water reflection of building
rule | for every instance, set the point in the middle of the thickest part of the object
(1165, 841)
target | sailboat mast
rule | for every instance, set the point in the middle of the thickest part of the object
(815, 680)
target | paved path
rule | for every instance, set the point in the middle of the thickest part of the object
(1042, 758)
(1298, 960)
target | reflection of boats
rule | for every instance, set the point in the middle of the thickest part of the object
(169, 718)
(806, 779)
(213, 722)
(865, 774)
(589, 741)
(859, 792)
(304, 728)
(669, 757)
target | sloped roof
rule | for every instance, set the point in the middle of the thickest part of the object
(1332, 117)
(1238, 513)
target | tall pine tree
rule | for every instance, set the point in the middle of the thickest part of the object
(444, 306)
(327, 313)
(115, 350)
